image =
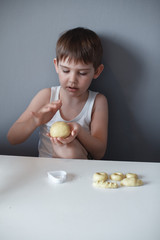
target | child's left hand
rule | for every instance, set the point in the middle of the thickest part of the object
(75, 128)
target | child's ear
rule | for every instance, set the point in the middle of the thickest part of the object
(55, 64)
(98, 71)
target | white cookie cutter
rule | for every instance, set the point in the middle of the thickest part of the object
(57, 176)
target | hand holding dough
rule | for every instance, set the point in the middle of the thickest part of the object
(60, 129)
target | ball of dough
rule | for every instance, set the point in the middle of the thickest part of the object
(117, 176)
(130, 175)
(131, 182)
(60, 129)
(100, 176)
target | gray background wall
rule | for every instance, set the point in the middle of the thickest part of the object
(130, 33)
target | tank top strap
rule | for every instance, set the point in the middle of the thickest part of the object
(54, 93)
(86, 112)
(90, 103)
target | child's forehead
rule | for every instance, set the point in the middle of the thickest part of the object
(68, 62)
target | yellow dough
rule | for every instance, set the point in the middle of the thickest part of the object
(102, 184)
(128, 180)
(117, 176)
(130, 175)
(131, 182)
(99, 181)
(100, 176)
(60, 129)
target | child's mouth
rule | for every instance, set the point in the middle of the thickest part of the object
(72, 89)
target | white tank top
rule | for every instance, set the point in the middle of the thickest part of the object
(83, 118)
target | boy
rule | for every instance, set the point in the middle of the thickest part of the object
(77, 63)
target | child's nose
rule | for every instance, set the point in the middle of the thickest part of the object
(73, 78)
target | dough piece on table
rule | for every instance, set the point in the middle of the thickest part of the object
(60, 129)
(131, 182)
(117, 176)
(130, 175)
(102, 184)
(100, 176)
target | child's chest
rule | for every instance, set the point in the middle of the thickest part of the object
(70, 111)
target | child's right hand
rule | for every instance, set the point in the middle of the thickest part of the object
(46, 113)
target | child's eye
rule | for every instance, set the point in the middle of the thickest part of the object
(83, 73)
(66, 71)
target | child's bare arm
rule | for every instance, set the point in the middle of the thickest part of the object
(38, 112)
(96, 142)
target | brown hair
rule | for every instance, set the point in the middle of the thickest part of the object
(80, 44)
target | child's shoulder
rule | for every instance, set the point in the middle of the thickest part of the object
(101, 98)
(43, 96)
(101, 101)
(45, 92)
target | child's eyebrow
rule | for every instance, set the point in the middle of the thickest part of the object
(63, 66)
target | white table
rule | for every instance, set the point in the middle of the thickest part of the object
(33, 208)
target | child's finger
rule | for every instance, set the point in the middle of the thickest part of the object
(55, 141)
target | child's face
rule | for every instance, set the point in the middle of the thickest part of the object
(75, 78)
